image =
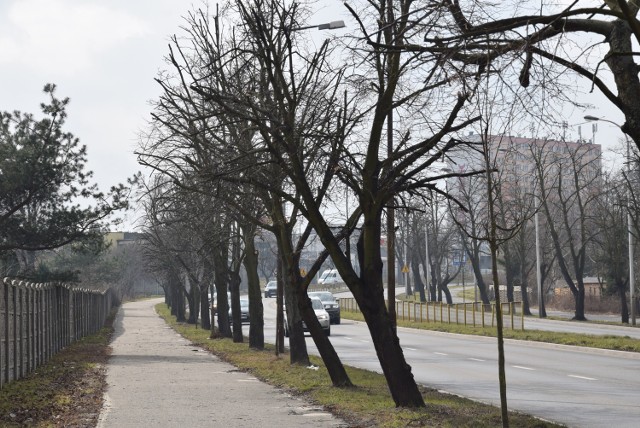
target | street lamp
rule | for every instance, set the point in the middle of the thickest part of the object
(333, 25)
(538, 263)
(629, 223)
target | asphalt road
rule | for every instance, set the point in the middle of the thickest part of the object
(579, 387)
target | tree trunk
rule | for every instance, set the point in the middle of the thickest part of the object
(180, 315)
(369, 293)
(236, 316)
(192, 301)
(579, 296)
(222, 280)
(297, 346)
(205, 318)
(447, 293)
(525, 299)
(482, 287)
(330, 357)
(256, 311)
(433, 285)
(397, 372)
(417, 279)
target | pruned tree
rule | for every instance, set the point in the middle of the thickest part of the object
(210, 111)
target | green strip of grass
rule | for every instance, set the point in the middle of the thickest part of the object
(367, 404)
(619, 343)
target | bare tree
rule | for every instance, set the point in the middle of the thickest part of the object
(568, 178)
(221, 110)
(612, 249)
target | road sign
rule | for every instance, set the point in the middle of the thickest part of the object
(405, 269)
(303, 272)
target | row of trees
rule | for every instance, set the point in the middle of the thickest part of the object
(583, 231)
(255, 130)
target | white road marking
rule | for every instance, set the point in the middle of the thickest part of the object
(581, 377)
(523, 368)
(348, 338)
(476, 359)
(411, 349)
(440, 353)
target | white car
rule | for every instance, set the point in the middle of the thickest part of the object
(321, 314)
(330, 276)
(330, 303)
(271, 289)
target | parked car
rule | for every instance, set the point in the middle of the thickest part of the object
(244, 309)
(330, 303)
(321, 314)
(330, 276)
(271, 289)
(215, 300)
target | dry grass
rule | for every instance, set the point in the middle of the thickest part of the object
(65, 392)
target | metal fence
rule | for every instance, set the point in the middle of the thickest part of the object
(472, 313)
(38, 320)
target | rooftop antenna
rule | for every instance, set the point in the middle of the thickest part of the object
(580, 134)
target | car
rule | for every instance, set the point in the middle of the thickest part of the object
(330, 304)
(214, 305)
(271, 289)
(330, 276)
(321, 314)
(244, 309)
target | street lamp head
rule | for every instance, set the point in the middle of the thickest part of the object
(333, 25)
(592, 118)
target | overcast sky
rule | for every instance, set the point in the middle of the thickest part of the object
(103, 55)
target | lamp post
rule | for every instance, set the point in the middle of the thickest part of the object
(632, 278)
(538, 265)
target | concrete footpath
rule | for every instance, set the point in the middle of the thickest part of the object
(156, 378)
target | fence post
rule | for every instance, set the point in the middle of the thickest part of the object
(70, 321)
(511, 310)
(493, 313)
(14, 334)
(4, 332)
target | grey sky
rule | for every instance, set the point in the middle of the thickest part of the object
(103, 55)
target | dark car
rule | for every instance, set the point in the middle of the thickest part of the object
(244, 310)
(330, 304)
(271, 289)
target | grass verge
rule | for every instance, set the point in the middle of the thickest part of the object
(368, 404)
(619, 343)
(66, 391)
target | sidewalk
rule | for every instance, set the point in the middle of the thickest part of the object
(158, 379)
